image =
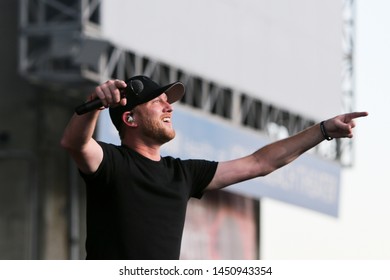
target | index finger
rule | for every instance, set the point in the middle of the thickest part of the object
(120, 83)
(355, 115)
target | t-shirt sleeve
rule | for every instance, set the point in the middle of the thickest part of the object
(202, 172)
(102, 174)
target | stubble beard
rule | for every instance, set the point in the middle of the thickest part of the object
(155, 129)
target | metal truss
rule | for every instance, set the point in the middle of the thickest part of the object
(60, 43)
(52, 36)
(345, 148)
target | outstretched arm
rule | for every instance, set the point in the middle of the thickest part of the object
(277, 154)
(77, 138)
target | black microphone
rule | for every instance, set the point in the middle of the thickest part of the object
(136, 86)
(88, 106)
(93, 105)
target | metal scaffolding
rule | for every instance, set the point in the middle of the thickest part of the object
(60, 43)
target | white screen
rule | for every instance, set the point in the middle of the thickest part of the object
(287, 53)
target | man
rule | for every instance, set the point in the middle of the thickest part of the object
(136, 199)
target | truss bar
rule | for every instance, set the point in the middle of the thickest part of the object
(63, 9)
(113, 63)
(150, 67)
(88, 8)
(49, 29)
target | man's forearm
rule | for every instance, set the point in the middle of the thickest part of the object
(282, 152)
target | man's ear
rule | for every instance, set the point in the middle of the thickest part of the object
(128, 119)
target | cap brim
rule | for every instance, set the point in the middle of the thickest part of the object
(175, 92)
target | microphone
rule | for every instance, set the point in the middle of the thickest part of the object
(134, 86)
(92, 105)
(88, 106)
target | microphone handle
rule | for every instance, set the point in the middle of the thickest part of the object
(88, 106)
(93, 105)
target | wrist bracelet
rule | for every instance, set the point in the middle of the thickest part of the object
(323, 131)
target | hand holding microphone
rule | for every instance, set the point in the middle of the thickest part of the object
(122, 96)
(111, 92)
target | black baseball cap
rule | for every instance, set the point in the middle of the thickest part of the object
(141, 89)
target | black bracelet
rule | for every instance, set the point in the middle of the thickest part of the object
(324, 133)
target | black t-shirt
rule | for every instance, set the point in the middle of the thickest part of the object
(136, 207)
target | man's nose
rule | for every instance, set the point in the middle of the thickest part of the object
(168, 107)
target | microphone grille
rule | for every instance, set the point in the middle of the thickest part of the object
(136, 86)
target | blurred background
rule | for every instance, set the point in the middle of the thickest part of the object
(255, 71)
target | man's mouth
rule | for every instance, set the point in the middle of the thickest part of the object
(167, 120)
